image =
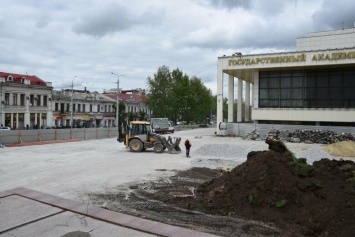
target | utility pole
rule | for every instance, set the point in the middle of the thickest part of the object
(71, 103)
(118, 103)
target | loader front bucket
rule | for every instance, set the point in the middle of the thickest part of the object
(174, 147)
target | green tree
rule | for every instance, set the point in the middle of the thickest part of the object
(180, 96)
(202, 100)
(122, 108)
(225, 107)
(142, 115)
(159, 88)
(176, 96)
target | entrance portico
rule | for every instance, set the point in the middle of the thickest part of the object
(287, 93)
(302, 87)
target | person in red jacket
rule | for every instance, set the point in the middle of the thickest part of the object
(187, 146)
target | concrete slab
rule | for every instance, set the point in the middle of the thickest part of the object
(26, 212)
(69, 224)
(16, 210)
(5, 193)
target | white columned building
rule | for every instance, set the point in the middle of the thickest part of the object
(313, 85)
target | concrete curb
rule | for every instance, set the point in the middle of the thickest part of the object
(116, 218)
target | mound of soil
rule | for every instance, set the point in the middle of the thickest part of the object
(341, 149)
(317, 200)
(271, 194)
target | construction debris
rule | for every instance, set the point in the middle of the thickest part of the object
(179, 195)
(314, 136)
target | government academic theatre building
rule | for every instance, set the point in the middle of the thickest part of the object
(314, 85)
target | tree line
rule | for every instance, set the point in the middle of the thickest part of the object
(175, 95)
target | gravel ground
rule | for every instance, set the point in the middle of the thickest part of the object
(102, 172)
(70, 169)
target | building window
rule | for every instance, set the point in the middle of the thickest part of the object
(38, 100)
(32, 99)
(7, 98)
(79, 107)
(62, 110)
(98, 108)
(90, 108)
(84, 110)
(45, 98)
(322, 88)
(22, 99)
(14, 99)
(68, 107)
(56, 107)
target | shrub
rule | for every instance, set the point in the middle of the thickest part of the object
(203, 126)
(302, 169)
(253, 199)
(280, 203)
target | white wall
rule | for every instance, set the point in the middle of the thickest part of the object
(318, 115)
(327, 40)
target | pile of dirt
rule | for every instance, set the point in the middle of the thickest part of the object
(271, 194)
(341, 149)
(274, 187)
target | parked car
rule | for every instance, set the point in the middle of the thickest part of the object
(5, 128)
(171, 127)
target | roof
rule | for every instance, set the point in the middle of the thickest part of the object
(81, 95)
(125, 97)
(140, 122)
(17, 78)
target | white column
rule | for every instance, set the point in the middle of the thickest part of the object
(247, 101)
(11, 101)
(27, 110)
(240, 100)
(230, 98)
(255, 92)
(17, 124)
(219, 95)
(50, 119)
(11, 119)
(36, 120)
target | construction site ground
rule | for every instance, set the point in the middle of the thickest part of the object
(174, 189)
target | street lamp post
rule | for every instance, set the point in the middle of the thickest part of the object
(117, 103)
(71, 103)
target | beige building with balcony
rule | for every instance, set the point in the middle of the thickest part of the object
(90, 109)
(313, 85)
(25, 101)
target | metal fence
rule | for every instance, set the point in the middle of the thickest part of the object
(242, 129)
(20, 136)
(232, 129)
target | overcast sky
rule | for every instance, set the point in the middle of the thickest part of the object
(57, 39)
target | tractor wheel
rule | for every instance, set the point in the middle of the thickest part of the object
(136, 145)
(158, 148)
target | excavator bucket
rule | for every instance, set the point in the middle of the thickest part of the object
(174, 143)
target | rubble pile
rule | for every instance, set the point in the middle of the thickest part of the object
(315, 136)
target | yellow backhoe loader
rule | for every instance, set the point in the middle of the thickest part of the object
(139, 137)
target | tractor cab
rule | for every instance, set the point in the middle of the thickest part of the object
(139, 129)
(139, 137)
